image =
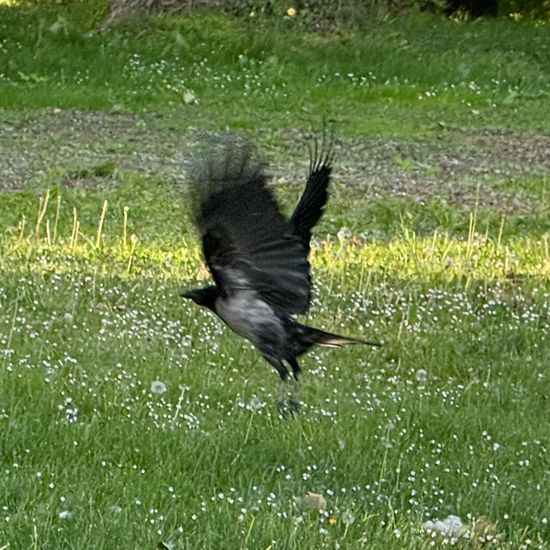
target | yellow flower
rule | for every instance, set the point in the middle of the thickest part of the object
(332, 521)
(291, 12)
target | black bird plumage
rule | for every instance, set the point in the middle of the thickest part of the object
(258, 260)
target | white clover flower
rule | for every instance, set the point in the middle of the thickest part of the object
(189, 97)
(158, 387)
(186, 341)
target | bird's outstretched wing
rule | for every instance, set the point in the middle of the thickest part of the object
(247, 243)
(310, 206)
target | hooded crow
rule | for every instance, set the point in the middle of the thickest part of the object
(257, 258)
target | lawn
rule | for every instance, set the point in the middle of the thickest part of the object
(129, 417)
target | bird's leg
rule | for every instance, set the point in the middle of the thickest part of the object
(295, 388)
(287, 404)
(282, 390)
(296, 370)
(282, 398)
(288, 401)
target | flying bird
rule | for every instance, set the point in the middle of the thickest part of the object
(257, 258)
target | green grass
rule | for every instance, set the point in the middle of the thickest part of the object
(445, 418)
(129, 417)
(247, 73)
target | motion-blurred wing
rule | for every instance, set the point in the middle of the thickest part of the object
(247, 243)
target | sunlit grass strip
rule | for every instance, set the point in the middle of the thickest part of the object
(438, 258)
(441, 257)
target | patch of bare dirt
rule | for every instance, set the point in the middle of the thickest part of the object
(462, 168)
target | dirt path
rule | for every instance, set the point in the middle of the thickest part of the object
(505, 170)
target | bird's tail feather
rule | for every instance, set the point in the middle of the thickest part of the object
(322, 338)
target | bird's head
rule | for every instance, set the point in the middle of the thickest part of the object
(203, 296)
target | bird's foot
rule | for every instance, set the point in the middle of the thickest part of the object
(288, 399)
(288, 407)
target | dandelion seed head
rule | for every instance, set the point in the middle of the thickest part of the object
(158, 387)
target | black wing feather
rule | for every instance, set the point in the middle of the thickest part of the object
(247, 243)
(310, 207)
